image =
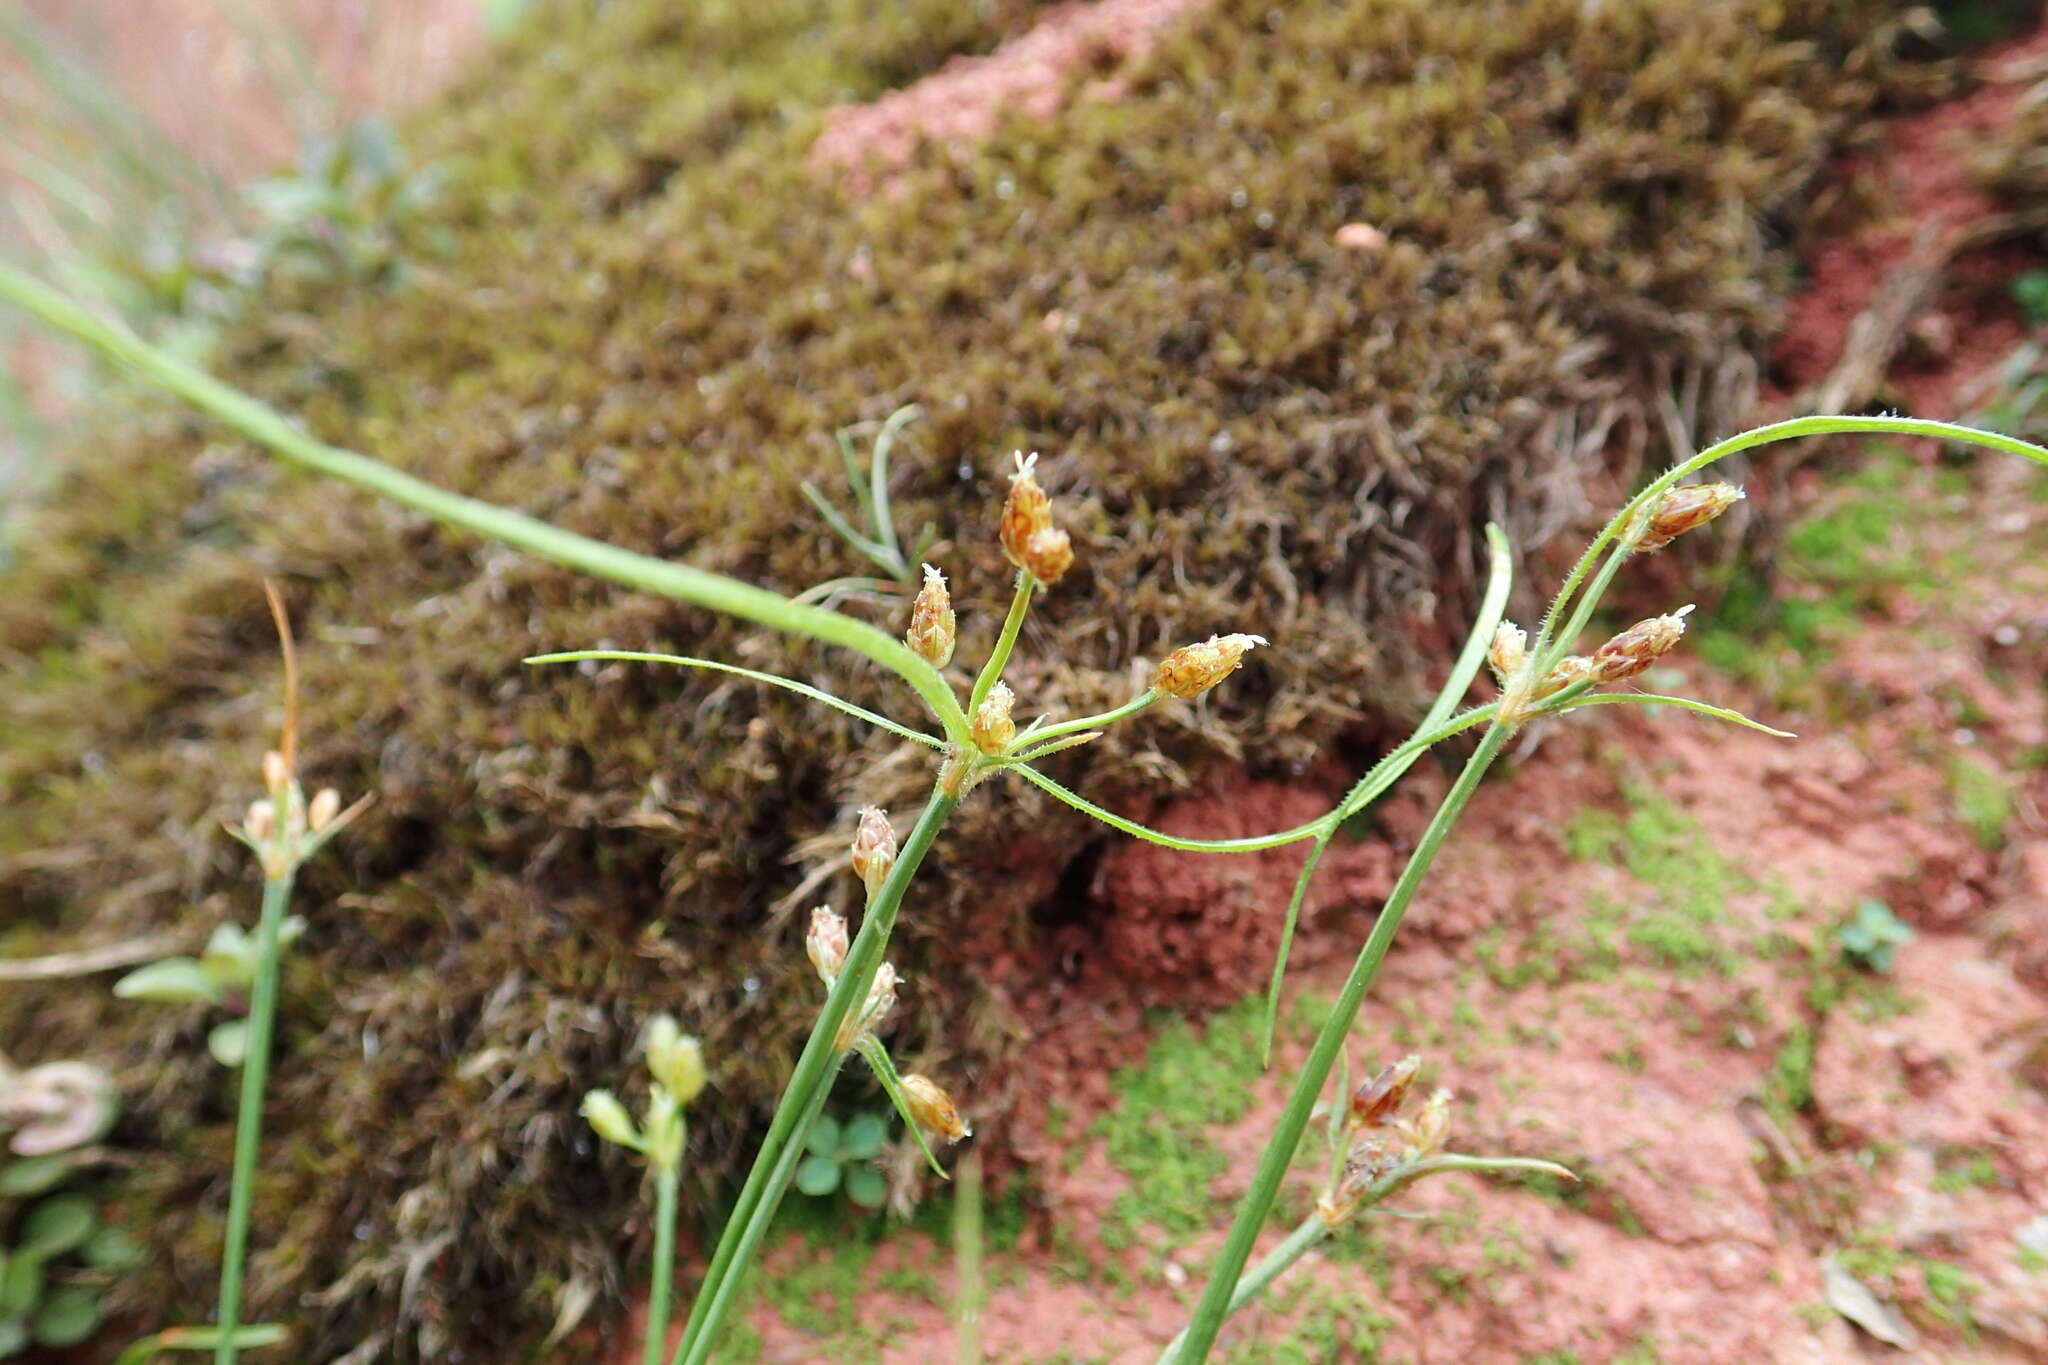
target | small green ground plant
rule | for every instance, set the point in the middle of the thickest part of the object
(1379, 1143)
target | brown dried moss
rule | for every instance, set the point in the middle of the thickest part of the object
(650, 317)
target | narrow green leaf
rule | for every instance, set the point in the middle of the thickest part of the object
(198, 1339)
(175, 981)
(884, 1067)
(773, 679)
(1687, 703)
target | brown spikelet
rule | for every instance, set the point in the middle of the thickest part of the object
(932, 623)
(1026, 512)
(1685, 509)
(1193, 669)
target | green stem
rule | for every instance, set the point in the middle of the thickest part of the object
(1258, 1201)
(1094, 722)
(277, 892)
(267, 427)
(665, 1180)
(697, 1350)
(1261, 1276)
(808, 1084)
(999, 657)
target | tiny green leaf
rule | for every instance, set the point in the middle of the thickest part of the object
(817, 1175)
(112, 1249)
(21, 1286)
(36, 1174)
(230, 958)
(863, 1138)
(865, 1186)
(55, 1226)
(823, 1139)
(13, 1336)
(175, 981)
(68, 1316)
(229, 1042)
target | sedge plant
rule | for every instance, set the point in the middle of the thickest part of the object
(283, 829)
(976, 738)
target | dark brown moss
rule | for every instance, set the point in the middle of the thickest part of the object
(645, 326)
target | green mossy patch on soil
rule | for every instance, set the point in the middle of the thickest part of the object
(648, 320)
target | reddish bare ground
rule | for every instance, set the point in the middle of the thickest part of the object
(1036, 72)
(1924, 170)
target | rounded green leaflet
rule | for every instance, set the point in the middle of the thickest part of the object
(823, 1139)
(35, 1174)
(112, 1249)
(865, 1186)
(229, 1042)
(68, 1316)
(862, 1138)
(21, 1285)
(56, 1226)
(174, 981)
(818, 1175)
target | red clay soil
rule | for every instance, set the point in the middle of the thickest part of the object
(1924, 169)
(1036, 72)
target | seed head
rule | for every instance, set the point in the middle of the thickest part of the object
(260, 823)
(326, 805)
(1026, 512)
(276, 772)
(1193, 669)
(992, 729)
(826, 943)
(933, 1108)
(1572, 668)
(1510, 648)
(1048, 555)
(1636, 648)
(881, 999)
(1425, 1133)
(675, 1059)
(932, 622)
(1685, 509)
(664, 1135)
(609, 1118)
(874, 850)
(1381, 1097)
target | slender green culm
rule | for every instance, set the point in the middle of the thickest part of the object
(277, 894)
(267, 427)
(662, 1288)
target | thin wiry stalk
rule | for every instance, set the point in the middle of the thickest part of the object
(1791, 430)
(1258, 1201)
(808, 1085)
(663, 1286)
(999, 657)
(277, 893)
(267, 427)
